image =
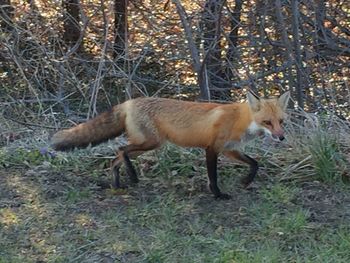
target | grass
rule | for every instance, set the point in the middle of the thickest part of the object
(324, 150)
(53, 209)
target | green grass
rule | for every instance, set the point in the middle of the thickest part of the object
(324, 150)
(52, 209)
(280, 193)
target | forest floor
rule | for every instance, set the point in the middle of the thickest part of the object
(55, 207)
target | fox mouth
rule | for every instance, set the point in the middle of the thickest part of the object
(277, 138)
(261, 133)
(268, 133)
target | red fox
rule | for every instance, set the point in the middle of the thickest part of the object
(149, 122)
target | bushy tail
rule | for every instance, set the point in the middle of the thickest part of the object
(105, 126)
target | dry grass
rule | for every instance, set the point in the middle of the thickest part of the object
(52, 208)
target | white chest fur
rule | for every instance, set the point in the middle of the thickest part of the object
(253, 128)
(252, 131)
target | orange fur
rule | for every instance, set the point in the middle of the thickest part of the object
(149, 122)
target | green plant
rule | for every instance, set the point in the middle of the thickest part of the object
(279, 193)
(325, 153)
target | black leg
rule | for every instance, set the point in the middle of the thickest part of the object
(212, 159)
(130, 170)
(116, 179)
(134, 150)
(254, 166)
(115, 166)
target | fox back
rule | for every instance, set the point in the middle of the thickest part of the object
(189, 124)
(149, 122)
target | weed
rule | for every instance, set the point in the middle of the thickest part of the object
(172, 160)
(293, 222)
(325, 153)
(74, 195)
(159, 221)
(29, 157)
(155, 256)
(279, 193)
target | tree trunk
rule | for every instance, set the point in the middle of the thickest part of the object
(232, 56)
(235, 25)
(282, 28)
(6, 15)
(297, 50)
(72, 30)
(120, 29)
(212, 48)
(321, 35)
(199, 68)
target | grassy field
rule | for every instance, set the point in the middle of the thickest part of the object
(58, 208)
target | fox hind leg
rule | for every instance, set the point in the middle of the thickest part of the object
(130, 170)
(115, 168)
(123, 156)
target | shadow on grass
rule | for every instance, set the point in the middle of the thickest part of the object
(51, 214)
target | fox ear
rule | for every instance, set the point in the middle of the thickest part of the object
(284, 99)
(253, 101)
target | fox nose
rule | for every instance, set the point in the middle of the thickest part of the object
(279, 135)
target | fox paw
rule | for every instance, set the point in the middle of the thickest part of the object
(133, 181)
(246, 182)
(223, 196)
(249, 186)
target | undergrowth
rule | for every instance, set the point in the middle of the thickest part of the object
(326, 156)
(53, 210)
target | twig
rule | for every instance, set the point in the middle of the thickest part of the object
(29, 124)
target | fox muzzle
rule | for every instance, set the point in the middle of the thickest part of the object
(279, 135)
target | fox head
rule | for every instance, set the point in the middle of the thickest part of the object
(268, 114)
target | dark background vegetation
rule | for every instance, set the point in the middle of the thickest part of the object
(62, 62)
(81, 55)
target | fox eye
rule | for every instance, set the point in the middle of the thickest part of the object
(267, 123)
(281, 121)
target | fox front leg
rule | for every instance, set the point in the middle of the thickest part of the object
(212, 159)
(254, 166)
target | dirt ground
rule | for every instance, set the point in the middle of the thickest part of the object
(47, 215)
